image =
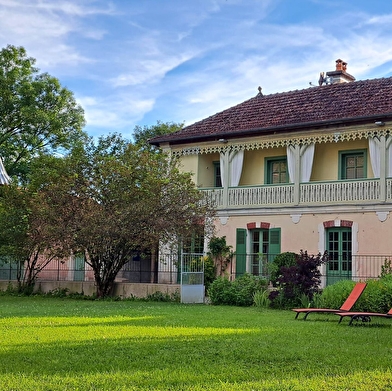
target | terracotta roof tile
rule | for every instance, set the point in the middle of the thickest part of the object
(342, 102)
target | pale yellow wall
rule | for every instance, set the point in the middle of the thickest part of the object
(189, 163)
(326, 159)
(325, 164)
(206, 169)
(254, 162)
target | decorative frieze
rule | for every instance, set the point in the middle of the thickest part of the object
(277, 142)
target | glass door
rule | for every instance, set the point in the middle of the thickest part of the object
(339, 244)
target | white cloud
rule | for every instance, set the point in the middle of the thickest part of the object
(136, 61)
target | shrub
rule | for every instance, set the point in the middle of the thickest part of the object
(244, 287)
(286, 259)
(164, 297)
(333, 296)
(239, 292)
(377, 297)
(209, 271)
(221, 253)
(296, 282)
(219, 291)
(386, 268)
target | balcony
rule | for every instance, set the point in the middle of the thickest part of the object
(362, 192)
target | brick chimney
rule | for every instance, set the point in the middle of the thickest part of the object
(339, 75)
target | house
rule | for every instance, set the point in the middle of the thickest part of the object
(309, 169)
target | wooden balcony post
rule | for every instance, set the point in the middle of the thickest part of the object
(297, 176)
(383, 168)
(226, 178)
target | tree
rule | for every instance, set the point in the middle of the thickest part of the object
(26, 238)
(113, 199)
(37, 114)
(142, 135)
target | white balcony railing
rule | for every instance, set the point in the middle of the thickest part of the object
(311, 193)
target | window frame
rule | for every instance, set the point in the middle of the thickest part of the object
(217, 174)
(342, 165)
(268, 169)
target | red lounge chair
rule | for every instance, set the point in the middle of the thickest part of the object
(363, 316)
(346, 306)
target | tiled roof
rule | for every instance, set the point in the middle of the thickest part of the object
(314, 106)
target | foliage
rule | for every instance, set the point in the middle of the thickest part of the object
(209, 271)
(333, 296)
(285, 259)
(377, 297)
(26, 238)
(239, 292)
(142, 135)
(244, 287)
(206, 263)
(261, 299)
(219, 291)
(303, 278)
(163, 297)
(37, 114)
(386, 268)
(221, 253)
(109, 200)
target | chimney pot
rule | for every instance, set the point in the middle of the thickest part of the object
(339, 66)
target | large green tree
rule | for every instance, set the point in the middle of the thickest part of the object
(112, 198)
(142, 134)
(37, 114)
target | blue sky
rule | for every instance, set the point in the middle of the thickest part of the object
(136, 62)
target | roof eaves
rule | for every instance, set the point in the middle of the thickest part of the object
(271, 130)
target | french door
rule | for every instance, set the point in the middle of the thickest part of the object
(339, 247)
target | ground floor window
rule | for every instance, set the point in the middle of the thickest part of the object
(255, 248)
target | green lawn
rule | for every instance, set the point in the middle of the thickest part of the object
(56, 344)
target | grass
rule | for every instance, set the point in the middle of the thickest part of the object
(61, 344)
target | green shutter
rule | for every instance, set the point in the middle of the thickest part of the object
(274, 243)
(240, 266)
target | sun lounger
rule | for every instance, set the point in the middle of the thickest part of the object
(363, 316)
(346, 306)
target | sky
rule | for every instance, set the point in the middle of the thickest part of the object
(136, 62)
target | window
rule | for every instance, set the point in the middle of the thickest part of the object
(264, 246)
(193, 244)
(276, 171)
(217, 175)
(353, 165)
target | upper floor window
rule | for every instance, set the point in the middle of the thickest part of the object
(352, 164)
(217, 175)
(276, 170)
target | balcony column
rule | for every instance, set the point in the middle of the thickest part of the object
(297, 173)
(384, 144)
(225, 178)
